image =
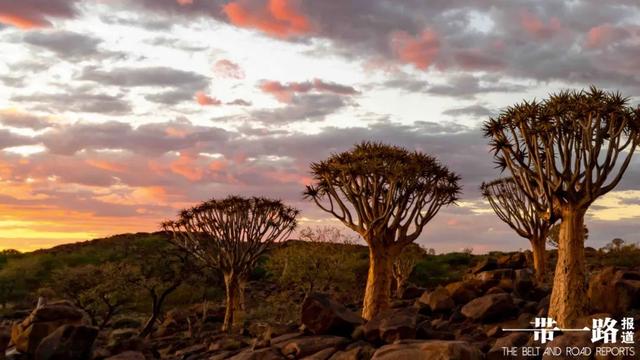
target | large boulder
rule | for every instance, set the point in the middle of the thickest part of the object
(68, 342)
(614, 291)
(322, 315)
(517, 340)
(489, 307)
(513, 261)
(43, 321)
(392, 325)
(501, 277)
(438, 300)
(428, 350)
(127, 355)
(485, 265)
(463, 291)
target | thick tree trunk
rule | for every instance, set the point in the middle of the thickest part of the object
(568, 298)
(378, 291)
(538, 247)
(234, 305)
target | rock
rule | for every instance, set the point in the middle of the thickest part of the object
(462, 291)
(126, 323)
(392, 325)
(427, 332)
(568, 341)
(524, 282)
(5, 337)
(191, 351)
(513, 340)
(500, 277)
(262, 354)
(489, 307)
(321, 315)
(412, 292)
(428, 350)
(322, 354)
(128, 355)
(308, 345)
(485, 265)
(614, 291)
(513, 261)
(27, 334)
(357, 351)
(68, 342)
(495, 290)
(121, 340)
(438, 300)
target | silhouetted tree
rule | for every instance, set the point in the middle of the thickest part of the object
(157, 270)
(572, 148)
(229, 235)
(101, 291)
(404, 264)
(517, 210)
(387, 195)
(616, 244)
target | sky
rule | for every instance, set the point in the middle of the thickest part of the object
(116, 114)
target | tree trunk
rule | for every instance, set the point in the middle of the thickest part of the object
(378, 291)
(401, 284)
(155, 312)
(234, 305)
(568, 298)
(539, 259)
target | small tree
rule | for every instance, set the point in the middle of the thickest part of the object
(387, 195)
(157, 272)
(616, 244)
(517, 210)
(101, 291)
(404, 264)
(572, 148)
(230, 235)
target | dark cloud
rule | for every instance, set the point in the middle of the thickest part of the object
(77, 102)
(146, 76)
(476, 110)
(22, 120)
(307, 107)
(171, 97)
(9, 139)
(65, 44)
(468, 86)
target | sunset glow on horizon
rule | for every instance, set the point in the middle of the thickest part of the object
(115, 115)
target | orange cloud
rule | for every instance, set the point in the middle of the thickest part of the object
(106, 165)
(21, 22)
(187, 166)
(205, 100)
(185, 2)
(420, 51)
(279, 18)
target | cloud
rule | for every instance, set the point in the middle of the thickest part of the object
(9, 139)
(468, 86)
(476, 110)
(239, 102)
(280, 18)
(77, 102)
(23, 120)
(145, 76)
(538, 28)
(28, 14)
(420, 50)
(171, 97)
(204, 99)
(308, 107)
(227, 69)
(286, 92)
(65, 44)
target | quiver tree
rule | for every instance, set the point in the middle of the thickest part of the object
(518, 211)
(404, 264)
(571, 148)
(387, 195)
(230, 235)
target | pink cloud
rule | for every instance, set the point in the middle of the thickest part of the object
(420, 50)
(285, 92)
(206, 100)
(185, 2)
(28, 14)
(537, 28)
(279, 18)
(602, 35)
(228, 69)
(186, 165)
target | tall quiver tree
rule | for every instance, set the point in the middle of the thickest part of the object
(386, 194)
(572, 147)
(521, 214)
(229, 236)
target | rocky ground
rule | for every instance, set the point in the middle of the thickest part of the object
(460, 321)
